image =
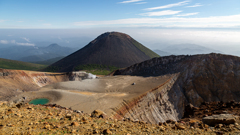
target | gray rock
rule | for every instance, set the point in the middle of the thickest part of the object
(220, 119)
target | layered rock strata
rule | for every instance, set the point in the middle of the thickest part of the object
(154, 106)
(210, 77)
(14, 82)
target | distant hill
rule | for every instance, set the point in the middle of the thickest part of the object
(42, 57)
(33, 53)
(109, 49)
(19, 65)
(49, 61)
(184, 49)
(162, 53)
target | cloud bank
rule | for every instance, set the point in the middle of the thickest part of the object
(161, 13)
(203, 22)
(188, 14)
(196, 5)
(16, 43)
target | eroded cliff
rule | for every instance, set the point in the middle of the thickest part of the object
(210, 77)
(14, 82)
(154, 106)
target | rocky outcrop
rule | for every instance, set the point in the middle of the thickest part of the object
(210, 77)
(13, 82)
(220, 119)
(154, 106)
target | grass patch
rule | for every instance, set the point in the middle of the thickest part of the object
(96, 69)
(19, 65)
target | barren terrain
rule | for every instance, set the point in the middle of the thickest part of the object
(104, 93)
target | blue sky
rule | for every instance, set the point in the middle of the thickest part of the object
(57, 14)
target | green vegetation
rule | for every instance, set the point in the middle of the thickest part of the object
(96, 69)
(49, 61)
(19, 65)
(52, 69)
(144, 49)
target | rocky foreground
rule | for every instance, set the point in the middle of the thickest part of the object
(53, 119)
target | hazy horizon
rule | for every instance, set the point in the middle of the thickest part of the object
(155, 24)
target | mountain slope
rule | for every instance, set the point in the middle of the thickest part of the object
(109, 49)
(185, 49)
(42, 57)
(19, 65)
(162, 53)
(33, 53)
(49, 61)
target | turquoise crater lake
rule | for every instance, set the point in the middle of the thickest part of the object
(41, 101)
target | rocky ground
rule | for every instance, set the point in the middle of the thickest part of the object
(53, 119)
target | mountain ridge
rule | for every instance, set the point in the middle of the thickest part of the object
(34, 53)
(19, 65)
(189, 49)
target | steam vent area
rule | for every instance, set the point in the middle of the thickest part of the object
(152, 91)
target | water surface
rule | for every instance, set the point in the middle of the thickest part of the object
(41, 101)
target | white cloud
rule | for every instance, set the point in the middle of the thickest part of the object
(3, 41)
(188, 14)
(169, 5)
(25, 44)
(214, 21)
(130, 1)
(196, 5)
(161, 13)
(141, 3)
(2, 21)
(17, 43)
(26, 39)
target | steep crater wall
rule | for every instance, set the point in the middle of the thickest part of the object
(154, 106)
(210, 77)
(14, 82)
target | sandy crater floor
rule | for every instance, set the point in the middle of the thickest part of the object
(104, 93)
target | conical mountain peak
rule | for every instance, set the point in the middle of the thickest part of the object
(109, 49)
(54, 45)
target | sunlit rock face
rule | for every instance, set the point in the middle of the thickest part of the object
(210, 77)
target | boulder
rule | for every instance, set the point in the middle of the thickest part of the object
(220, 119)
(98, 114)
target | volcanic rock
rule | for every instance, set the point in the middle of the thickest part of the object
(98, 114)
(220, 119)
